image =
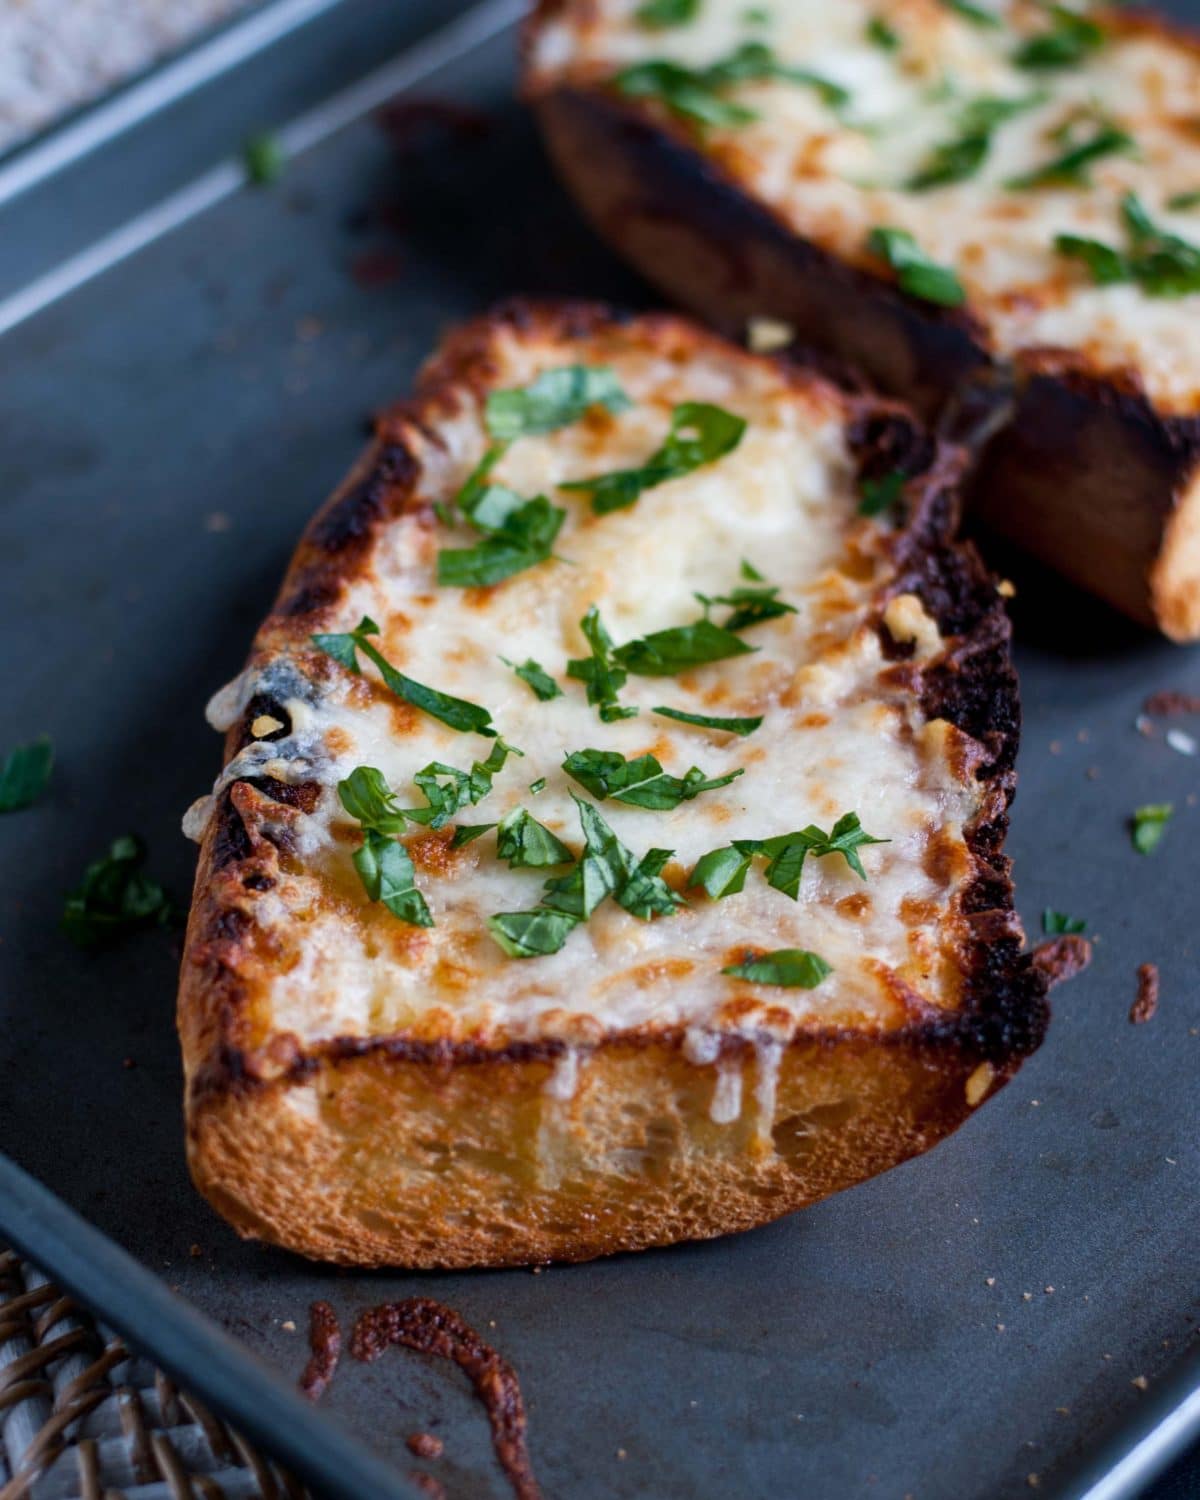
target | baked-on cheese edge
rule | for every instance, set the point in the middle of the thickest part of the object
(772, 216)
(368, 1091)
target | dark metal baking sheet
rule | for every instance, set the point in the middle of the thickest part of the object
(164, 432)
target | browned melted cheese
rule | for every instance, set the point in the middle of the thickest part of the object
(841, 731)
(835, 173)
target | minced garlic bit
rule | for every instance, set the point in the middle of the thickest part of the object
(908, 622)
(265, 724)
(765, 335)
(979, 1083)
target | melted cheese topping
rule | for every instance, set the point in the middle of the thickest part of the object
(835, 175)
(834, 737)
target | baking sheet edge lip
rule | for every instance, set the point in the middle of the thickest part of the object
(93, 124)
(456, 39)
(1120, 1463)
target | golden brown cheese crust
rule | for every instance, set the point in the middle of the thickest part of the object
(419, 1149)
(1093, 461)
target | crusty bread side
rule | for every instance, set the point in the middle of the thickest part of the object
(707, 244)
(384, 1159)
(421, 1151)
(1087, 469)
(1095, 482)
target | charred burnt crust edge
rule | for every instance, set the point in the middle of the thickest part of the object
(912, 346)
(1004, 1011)
(1119, 391)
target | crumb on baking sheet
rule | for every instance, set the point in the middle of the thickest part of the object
(325, 1344)
(1145, 1003)
(1061, 958)
(1163, 705)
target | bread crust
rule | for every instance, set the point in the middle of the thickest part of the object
(390, 1150)
(1115, 505)
(1093, 480)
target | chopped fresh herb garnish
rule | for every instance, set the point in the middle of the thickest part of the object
(1149, 825)
(662, 653)
(24, 774)
(368, 799)
(518, 534)
(645, 894)
(878, 495)
(536, 679)
(641, 782)
(756, 15)
(537, 786)
(696, 93)
(1162, 264)
(978, 15)
(754, 62)
(115, 896)
(606, 868)
(749, 606)
(658, 14)
(384, 866)
(845, 838)
(750, 573)
(1181, 202)
(1057, 922)
(960, 158)
(527, 844)
(883, 35)
(792, 968)
(741, 727)
(699, 435)
(600, 671)
(636, 885)
(456, 713)
(263, 159)
(386, 871)
(1108, 266)
(687, 92)
(531, 934)
(446, 789)
(1070, 167)
(952, 161)
(665, 653)
(477, 480)
(1071, 39)
(467, 833)
(722, 872)
(916, 274)
(555, 399)
(787, 852)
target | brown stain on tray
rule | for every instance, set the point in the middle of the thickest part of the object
(1145, 1003)
(431, 1327)
(325, 1341)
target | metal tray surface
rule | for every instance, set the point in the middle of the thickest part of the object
(969, 1320)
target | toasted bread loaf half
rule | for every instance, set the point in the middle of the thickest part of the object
(1045, 167)
(388, 1081)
